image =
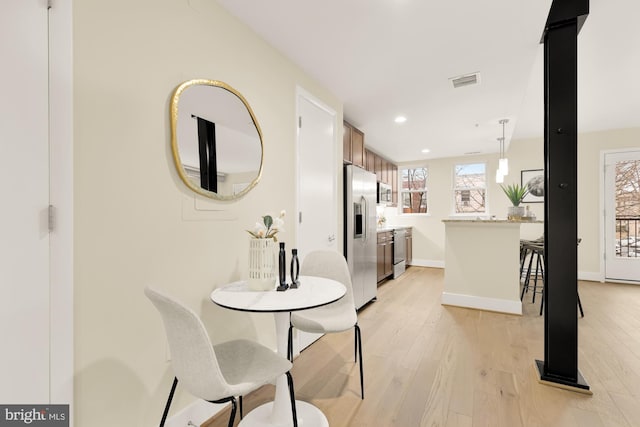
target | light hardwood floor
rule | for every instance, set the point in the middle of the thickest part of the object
(432, 365)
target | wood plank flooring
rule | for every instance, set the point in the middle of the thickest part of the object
(432, 365)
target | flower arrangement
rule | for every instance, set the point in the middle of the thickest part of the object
(268, 227)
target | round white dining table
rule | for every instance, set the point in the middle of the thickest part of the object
(313, 292)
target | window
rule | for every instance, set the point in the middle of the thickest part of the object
(413, 190)
(470, 188)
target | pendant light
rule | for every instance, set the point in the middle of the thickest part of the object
(503, 163)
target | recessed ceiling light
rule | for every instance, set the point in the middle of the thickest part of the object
(426, 150)
(400, 119)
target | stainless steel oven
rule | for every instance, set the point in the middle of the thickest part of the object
(399, 251)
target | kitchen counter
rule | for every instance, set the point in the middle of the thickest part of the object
(482, 264)
(392, 227)
(496, 221)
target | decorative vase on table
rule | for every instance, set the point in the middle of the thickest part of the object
(262, 252)
(262, 264)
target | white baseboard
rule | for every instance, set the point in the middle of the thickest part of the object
(625, 282)
(591, 276)
(196, 413)
(427, 263)
(482, 303)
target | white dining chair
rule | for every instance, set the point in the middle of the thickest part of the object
(335, 317)
(215, 373)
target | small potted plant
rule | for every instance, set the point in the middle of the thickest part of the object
(515, 193)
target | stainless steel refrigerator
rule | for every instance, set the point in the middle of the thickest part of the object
(360, 238)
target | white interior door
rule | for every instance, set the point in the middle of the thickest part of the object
(24, 185)
(317, 176)
(622, 216)
(317, 183)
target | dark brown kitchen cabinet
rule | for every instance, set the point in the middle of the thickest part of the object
(386, 176)
(385, 255)
(347, 155)
(370, 160)
(394, 185)
(388, 258)
(378, 168)
(353, 146)
(357, 147)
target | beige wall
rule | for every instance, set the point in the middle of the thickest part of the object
(428, 234)
(135, 221)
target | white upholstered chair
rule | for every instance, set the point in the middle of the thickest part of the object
(215, 373)
(335, 317)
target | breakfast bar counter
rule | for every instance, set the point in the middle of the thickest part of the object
(482, 264)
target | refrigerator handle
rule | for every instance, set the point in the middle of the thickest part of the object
(365, 220)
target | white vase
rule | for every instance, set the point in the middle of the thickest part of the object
(262, 264)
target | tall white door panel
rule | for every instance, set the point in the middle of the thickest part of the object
(24, 188)
(317, 177)
(622, 216)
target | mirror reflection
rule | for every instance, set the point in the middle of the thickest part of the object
(216, 140)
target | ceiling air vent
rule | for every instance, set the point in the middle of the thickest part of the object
(465, 80)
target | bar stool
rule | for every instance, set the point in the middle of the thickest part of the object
(535, 250)
(525, 251)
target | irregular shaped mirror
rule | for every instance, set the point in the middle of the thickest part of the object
(215, 139)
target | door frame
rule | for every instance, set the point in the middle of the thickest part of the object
(603, 225)
(61, 197)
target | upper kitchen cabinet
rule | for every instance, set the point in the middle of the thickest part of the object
(370, 158)
(394, 185)
(346, 143)
(353, 146)
(386, 172)
(378, 168)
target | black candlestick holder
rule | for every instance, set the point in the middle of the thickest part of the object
(295, 269)
(282, 269)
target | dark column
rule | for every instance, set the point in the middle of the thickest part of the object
(560, 38)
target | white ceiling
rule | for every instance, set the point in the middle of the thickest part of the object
(384, 58)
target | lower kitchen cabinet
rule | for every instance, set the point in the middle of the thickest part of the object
(385, 254)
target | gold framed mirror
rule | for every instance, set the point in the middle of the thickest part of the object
(215, 139)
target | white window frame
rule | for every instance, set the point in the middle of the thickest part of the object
(454, 189)
(401, 191)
